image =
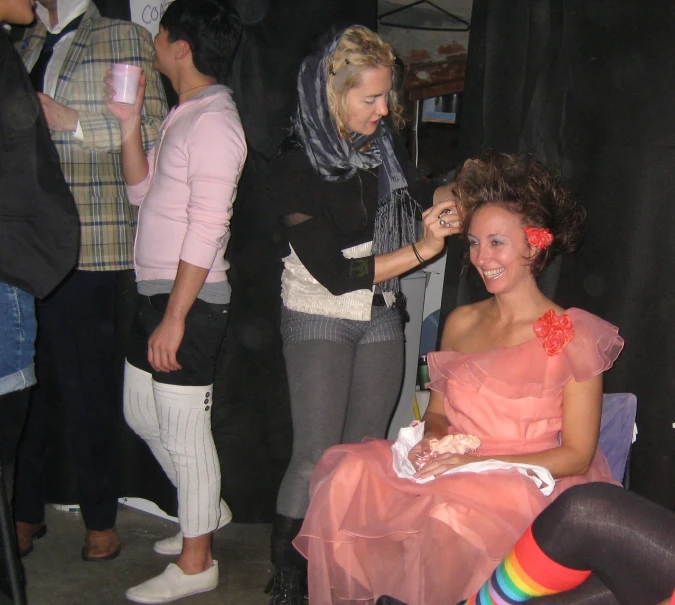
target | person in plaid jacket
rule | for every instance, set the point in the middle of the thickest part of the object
(68, 51)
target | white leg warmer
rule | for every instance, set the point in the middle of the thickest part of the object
(141, 415)
(184, 415)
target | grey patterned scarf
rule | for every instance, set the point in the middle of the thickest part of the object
(337, 159)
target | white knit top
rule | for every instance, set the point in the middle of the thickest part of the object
(301, 292)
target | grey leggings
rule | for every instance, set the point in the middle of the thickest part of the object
(338, 395)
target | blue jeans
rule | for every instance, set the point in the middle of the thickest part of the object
(17, 339)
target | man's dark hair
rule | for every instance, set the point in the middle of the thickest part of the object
(211, 28)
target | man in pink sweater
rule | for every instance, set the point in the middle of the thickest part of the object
(185, 189)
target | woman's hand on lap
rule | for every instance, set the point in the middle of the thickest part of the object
(442, 463)
(419, 452)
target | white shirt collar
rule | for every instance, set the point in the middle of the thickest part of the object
(67, 10)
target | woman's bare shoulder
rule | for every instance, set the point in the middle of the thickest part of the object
(461, 321)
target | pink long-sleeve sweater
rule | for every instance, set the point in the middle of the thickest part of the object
(186, 199)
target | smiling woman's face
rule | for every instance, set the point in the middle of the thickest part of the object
(498, 248)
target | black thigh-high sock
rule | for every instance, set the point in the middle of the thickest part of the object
(625, 543)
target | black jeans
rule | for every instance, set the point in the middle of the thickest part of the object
(76, 376)
(205, 327)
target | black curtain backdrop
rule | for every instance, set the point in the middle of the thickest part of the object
(114, 9)
(589, 85)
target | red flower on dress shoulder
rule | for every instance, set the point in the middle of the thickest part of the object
(538, 238)
(556, 332)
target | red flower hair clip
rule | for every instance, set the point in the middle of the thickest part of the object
(538, 237)
(556, 332)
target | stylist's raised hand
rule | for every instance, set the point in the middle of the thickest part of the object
(439, 221)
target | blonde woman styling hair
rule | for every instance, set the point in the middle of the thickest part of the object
(349, 197)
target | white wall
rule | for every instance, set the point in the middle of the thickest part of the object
(148, 13)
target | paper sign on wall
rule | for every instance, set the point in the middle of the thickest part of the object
(148, 13)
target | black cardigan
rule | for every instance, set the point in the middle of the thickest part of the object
(39, 224)
(342, 215)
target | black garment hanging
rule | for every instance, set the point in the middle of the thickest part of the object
(37, 74)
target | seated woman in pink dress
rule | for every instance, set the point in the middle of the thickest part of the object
(516, 371)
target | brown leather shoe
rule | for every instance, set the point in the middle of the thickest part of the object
(101, 545)
(26, 533)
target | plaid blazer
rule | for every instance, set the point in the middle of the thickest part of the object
(92, 167)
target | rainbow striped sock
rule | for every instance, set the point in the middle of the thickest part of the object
(525, 573)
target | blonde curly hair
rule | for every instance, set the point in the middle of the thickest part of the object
(359, 50)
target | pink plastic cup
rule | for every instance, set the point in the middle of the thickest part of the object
(125, 79)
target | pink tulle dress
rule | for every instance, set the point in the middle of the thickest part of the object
(367, 532)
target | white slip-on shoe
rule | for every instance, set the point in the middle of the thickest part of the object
(174, 545)
(173, 584)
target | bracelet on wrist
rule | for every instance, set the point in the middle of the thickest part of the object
(417, 254)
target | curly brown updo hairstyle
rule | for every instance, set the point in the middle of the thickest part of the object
(524, 186)
(359, 50)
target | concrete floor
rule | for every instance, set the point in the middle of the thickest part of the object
(56, 575)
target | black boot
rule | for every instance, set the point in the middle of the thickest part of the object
(288, 585)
